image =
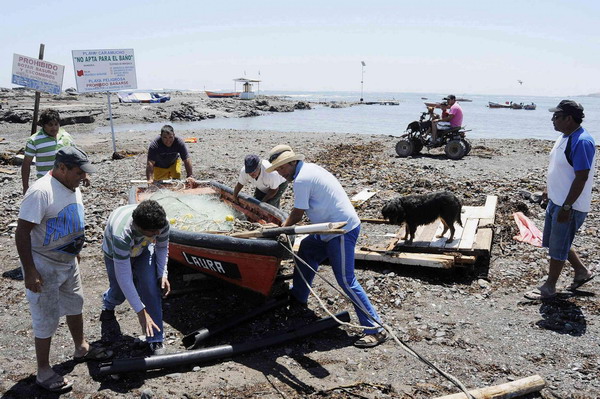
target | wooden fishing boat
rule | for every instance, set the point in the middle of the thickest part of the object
(217, 94)
(530, 107)
(249, 263)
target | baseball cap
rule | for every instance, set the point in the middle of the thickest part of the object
(251, 163)
(569, 107)
(73, 156)
(449, 97)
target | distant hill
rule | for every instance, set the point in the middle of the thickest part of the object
(591, 95)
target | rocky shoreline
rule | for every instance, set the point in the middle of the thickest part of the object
(472, 322)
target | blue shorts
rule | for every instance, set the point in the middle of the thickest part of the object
(558, 237)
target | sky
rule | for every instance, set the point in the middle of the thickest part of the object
(471, 47)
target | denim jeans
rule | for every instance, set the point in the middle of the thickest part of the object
(146, 283)
(340, 251)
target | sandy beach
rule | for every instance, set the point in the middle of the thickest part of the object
(473, 323)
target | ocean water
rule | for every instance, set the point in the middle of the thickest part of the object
(481, 121)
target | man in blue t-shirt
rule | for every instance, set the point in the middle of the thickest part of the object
(569, 195)
(165, 155)
(321, 196)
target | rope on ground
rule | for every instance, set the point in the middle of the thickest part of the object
(387, 327)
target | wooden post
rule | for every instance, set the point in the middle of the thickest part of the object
(36, 105)
(511, 389)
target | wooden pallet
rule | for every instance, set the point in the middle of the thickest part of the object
(472, 240)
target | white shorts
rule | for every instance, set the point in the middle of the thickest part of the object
(443, 125)
(62, 295)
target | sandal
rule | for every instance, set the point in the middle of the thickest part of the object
(578, 283)
(56, 383)
(95, 353)
(536, 295)
(371, 340)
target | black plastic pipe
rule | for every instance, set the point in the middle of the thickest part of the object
(216, 352)
(195, 338)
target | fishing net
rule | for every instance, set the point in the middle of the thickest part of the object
(200, 212)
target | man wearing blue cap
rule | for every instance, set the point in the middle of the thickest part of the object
(569, 194)
(269, 185)
(49, 236)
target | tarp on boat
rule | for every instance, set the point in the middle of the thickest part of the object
(142, 97)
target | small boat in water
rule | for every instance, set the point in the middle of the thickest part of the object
(530, 107)
(249, 263)
(218, 94)
(498, 105)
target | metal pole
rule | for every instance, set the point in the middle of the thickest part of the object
(112, 129)
(36, 105)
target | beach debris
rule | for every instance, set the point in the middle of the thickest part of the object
(16, 117)
(362, 197)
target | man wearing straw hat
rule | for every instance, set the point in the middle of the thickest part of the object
(319, 195)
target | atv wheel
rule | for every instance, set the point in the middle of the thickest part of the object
(417, 146)
(467, 146)
(404, 148)
(456, 149)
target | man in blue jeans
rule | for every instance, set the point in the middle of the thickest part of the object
(321, 196)
(569, 194)
(135, 246)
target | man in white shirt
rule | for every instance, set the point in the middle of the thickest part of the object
(319, 195)
(569, 195)
(269, 185)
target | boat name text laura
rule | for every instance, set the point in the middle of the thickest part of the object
(225, 268)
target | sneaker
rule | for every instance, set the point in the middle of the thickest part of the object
(109, 326)
(157, 348)
(371, 340)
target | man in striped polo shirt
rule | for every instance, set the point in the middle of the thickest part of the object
(135, 247)
(43, 146)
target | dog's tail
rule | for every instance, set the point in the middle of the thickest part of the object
(458, 215)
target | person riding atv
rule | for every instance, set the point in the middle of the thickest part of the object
(431, 131)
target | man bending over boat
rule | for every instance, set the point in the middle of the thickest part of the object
(165, 155)
(269, 185)
(321, 196)
(135, 246)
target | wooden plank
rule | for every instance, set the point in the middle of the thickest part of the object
(512, 389)
(425, 234)
(483, 241)
(407, 258)
(469, 234)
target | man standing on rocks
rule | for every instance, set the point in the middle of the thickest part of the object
(135, 245)
(569, 195)
(43, 146)
(269, 185)
(321, 196)
(49, 237)
(165, 155)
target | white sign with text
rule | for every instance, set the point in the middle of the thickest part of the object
(104, 70)
(37, 74)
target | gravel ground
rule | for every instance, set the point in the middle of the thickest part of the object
(473, 323)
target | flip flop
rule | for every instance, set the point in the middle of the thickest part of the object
(536, 295)
(95, 353)
(578, 283)
(56, 383)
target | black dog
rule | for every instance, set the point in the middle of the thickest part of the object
(417, 210)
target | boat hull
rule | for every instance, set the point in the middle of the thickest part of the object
(252, 264)
(214, 94)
